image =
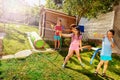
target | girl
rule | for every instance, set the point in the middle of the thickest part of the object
(76, 44)
(105, 56)
(57, 29)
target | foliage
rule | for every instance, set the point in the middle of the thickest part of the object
(85, 8)
(35, 11)
(50, 4)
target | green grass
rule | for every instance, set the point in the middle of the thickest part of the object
(16, 38)
(47, 66)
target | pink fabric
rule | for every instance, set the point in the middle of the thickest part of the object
(57, 29)
(75, 43)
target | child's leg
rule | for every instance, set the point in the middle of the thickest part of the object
(55, 41)
(55, 44)
(58, 44)
(78, 55)
(99, 65)
(70, 54)
(105, 66)
(58, 40)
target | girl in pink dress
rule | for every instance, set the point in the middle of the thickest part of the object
(76, 44)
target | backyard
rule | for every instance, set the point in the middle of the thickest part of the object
(20, 17)
(47, 66)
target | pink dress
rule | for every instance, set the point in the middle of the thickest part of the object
(75, 42)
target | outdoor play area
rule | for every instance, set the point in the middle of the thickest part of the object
(59, 39)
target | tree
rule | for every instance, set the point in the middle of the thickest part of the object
(51, 4)
(83, 8)
(88, 8)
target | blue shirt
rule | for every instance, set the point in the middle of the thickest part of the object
(106, 47)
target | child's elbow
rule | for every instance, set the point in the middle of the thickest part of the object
(113, 46)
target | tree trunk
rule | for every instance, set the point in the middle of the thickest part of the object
(78, 18)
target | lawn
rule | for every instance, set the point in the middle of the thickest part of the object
(16, 38)
(47, 66)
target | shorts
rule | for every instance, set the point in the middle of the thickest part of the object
(105, 58)
(56, 37)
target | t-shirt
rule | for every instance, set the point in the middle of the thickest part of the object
(106, 47)
(57, 30)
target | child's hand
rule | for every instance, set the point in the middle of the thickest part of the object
(110, 39)
(60, 33)
(52, 26)
(81, 49)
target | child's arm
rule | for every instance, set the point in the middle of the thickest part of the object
(65, 35)
(68, 30)
(87, 46)
(81, 45)
(112, 43)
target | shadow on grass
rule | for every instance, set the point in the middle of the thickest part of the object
(1, 78)
(87, 73)
(10, 35)
(114, 63)
(64, 53)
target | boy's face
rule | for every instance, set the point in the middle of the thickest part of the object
(59, 22)
(109, 34)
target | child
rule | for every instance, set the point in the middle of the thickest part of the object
(106, 52)
(57, 29)
(75, 45)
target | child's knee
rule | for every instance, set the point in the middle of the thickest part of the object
(101, 62)
(106, 62)
(67, 56)
(78, 56)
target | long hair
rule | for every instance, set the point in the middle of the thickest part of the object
(79, 33)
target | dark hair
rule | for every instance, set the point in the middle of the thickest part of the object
(75, 26)
(112, 31)
(60, 20)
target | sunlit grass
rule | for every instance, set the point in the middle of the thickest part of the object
(16, 37)
(47, 66)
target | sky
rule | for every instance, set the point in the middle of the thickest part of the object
(15, 5)
(35, 2)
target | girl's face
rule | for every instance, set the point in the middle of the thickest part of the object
(109, 34)
(74, 30)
